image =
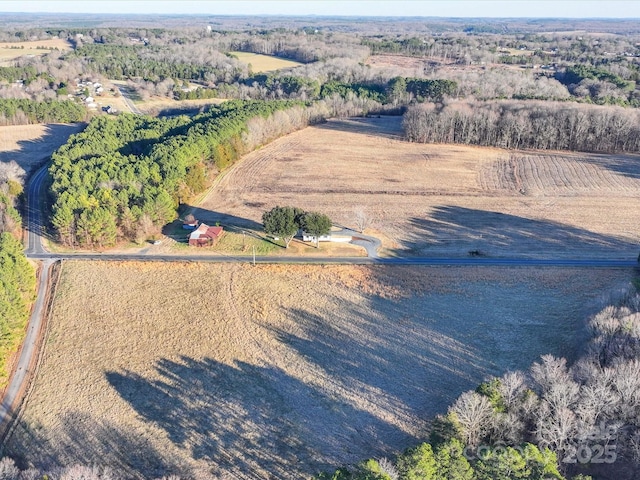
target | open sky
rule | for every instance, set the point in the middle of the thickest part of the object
(429, 8)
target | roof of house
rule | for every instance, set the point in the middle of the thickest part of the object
(205, 230)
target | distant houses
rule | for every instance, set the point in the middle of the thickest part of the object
(204, 235)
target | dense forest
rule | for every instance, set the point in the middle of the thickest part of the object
(19, 112)
(123, 178)
(17, 278)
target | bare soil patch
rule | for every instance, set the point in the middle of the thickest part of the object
(441, 200)
(23, 148)
(240, 372)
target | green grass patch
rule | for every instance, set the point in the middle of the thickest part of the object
(239, 244)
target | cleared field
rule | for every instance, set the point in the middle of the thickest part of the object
(25, 147)
(264, 63)
(12, 50)
(441, 200)
(240, 372)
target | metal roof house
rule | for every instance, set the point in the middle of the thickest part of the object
(205, 236)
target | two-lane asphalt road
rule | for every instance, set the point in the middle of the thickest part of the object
(36, 251)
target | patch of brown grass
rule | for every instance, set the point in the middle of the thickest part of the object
(278, 371)
(265, 63)
(25, 147)
(12, 50)
(442, 200)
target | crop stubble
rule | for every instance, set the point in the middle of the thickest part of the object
(248, 372)
(443, 200)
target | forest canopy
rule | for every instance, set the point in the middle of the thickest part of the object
(124, 177)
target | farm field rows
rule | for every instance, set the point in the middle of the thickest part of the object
(241, 372)
(441, 200)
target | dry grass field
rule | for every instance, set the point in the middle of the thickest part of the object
(264, 63)
(240, 372)
(11, 50)
(441, 200)
(25, 147)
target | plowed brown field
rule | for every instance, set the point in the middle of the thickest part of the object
(441, 200)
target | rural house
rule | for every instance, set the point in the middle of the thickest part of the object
(307, 237)
(205, 236)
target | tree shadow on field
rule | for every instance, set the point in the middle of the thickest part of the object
(404, 369)
(248, 421)
(384, 125)
(626, 164)
(495, 233)
(210, 217)
(86, 440)
(33, 153)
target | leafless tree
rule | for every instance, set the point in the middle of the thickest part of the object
(473, 412)
(362, 218)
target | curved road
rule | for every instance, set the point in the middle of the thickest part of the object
(36, 251)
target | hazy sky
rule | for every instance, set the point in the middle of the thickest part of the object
(436, 8)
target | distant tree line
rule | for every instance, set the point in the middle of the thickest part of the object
(13, 74)
(514, 124)
(21, 111)
(120, 62)
(123, 177)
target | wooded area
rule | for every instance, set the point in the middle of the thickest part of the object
(513, 124)
(17, 278)
(124, 178)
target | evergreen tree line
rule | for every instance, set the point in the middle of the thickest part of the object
(23, 111)
(398, 90)
(13, 74)
(120, 62)
(17, 280)
(554, 419)
(539, 125)
(124, 177)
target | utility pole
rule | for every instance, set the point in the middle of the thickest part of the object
(254, 255)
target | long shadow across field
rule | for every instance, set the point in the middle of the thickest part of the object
(627, 165)
(493, 232)
(90, 441)
(250, 421)
(387, 126)
(211, 217)
(32, 153)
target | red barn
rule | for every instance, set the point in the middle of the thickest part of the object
(204, 235)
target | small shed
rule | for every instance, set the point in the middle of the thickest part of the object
(205, 236)
(190, 224)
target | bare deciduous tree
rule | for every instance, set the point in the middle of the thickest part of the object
(362, 218)
(473, 412)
